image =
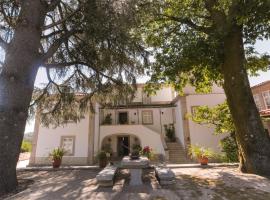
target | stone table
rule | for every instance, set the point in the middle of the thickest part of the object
(135, 167)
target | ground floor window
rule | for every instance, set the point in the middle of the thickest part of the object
(68, 144)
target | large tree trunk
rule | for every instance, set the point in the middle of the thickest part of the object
(254, 145)
(16, 87)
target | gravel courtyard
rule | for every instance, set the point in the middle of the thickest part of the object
(192, 183)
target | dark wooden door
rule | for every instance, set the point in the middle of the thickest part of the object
(123, 118)
(123, 146)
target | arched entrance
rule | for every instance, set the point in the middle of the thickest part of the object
(120, 145)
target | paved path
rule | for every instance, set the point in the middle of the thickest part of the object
(192, 183)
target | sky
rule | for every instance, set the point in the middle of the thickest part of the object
(260, 46)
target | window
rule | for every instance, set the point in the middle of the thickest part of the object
(266, 97)
(257, 101)
(147, 117)
(68, 144)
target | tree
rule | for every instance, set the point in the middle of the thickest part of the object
(85, 46)
(221, 118)
(208, 42)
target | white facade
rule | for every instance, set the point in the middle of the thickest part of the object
(140, 122)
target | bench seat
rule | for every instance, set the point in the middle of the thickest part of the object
(106, 176)
(165, 175)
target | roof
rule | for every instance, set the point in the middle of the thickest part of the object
(265, 113)
(260, 84)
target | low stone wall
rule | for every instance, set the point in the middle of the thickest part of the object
(65, 161)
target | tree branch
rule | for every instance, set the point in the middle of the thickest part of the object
(53, 5)
(60, 21)
(189, 23)
(3, 43)
(67, 64)
(57, 43)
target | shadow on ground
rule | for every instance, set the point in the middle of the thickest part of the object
(200, 183)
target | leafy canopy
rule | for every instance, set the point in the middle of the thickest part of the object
(219, 116)
(187, 38)
(88, 49)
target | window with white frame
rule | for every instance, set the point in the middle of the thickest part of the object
(147, 117)
(266, 97)
(68, 144)
(258, 101)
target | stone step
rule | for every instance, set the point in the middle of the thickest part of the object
(176, 150)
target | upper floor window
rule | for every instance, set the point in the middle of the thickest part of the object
(258, 101)
(266, 97)
(147, 117)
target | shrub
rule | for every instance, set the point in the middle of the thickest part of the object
(107, 148)
(57, 153)
(136, 147)
(108, 119)
(196, 151)
(229, 147)
(102, 155)
(26, 146)
(148, 152)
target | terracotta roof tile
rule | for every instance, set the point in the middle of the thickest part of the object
(262, 83)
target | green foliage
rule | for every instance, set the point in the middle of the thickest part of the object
(102, 155)
(108, 119)
(187, 39)
(219, 116)
(101, 61)
(57, 153)
(229, 147)
(196, 151)
(170, 132)
(26, 146)
(136, 147)
(107, 148)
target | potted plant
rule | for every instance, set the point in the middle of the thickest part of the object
(148, 152)
(201, 153)
(135, 154)
(108, 119)
(57, 155)
(102, 157)
(170, 132)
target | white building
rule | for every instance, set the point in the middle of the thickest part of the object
(140, 122)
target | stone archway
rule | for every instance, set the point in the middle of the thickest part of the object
(111, 143)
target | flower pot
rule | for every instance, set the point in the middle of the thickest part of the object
(102, 163)
(203, 160)
(56, 163)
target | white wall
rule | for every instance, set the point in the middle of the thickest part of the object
(191, 90)
(161, 116)
(50, 138)
(165, 94)
(179, 131)
(203, 134)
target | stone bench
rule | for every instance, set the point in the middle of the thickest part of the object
(165, 176)
(105, 177)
